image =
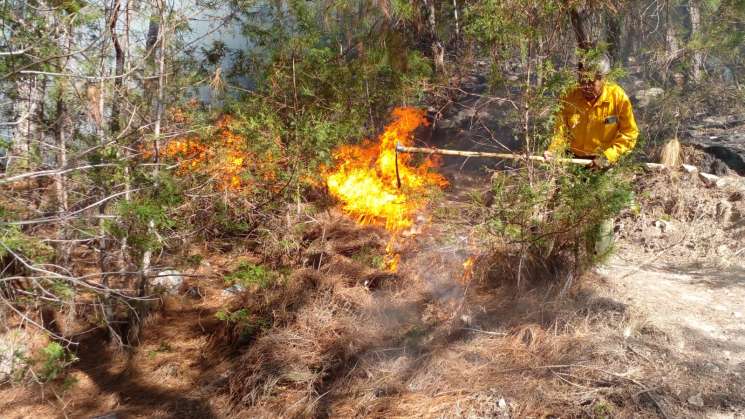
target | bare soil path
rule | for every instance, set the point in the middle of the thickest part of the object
(700, 311)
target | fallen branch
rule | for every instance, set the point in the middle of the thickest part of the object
(486, 332)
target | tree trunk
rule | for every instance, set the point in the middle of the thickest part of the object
(613, 36)
(456, 20)
(27, 128)
(158, 105)
(123, 248)
(438, 50)
(118, 70)
(579, 24)
(153, 33)
(63, 131)
(671, 37)
(672, 47)
(698, 57)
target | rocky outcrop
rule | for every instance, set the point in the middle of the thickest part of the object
(643, 98)
(723, 137)
(168, 282)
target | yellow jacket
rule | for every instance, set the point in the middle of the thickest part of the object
(606, 127)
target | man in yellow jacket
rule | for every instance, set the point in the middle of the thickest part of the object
(596, 120)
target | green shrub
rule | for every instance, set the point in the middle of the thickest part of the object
(557, 212)
(248, 275)
(54, 359)
(243, 322)
(370, 257)
(12, 239)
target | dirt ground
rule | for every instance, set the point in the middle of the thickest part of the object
(700, 310)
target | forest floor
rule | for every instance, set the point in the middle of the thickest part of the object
(656, 331)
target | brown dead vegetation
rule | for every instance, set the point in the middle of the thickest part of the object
(678, 218)
(341, 338)
(422, 347)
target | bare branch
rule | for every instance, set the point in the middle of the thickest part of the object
(17, 52)
(52, 172)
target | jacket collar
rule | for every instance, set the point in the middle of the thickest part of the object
(604, 95)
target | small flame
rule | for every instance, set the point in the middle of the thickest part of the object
(392, 258)
(468, 269)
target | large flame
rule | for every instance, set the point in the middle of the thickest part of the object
(364, 175)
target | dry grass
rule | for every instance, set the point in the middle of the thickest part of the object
(427, 345)
(341, 338)
(318, 324)
(431, 342)
(671, 155)
(679, 219)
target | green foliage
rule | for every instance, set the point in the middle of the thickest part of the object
(553, 213)
(602, 410)
(250, 275)
(142, 218)
(54, 359)
(194, 260)
(309, 94)
(12, 239)
(495, 22)
(371, 257)
(68, 383)
(243, 321)
(62, 289)
(241, 315)
(229, 220)
(164, 347)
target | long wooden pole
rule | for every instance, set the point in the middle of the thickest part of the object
(445, 152)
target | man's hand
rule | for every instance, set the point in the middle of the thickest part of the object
(600, 162)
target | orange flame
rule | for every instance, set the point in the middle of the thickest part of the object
(364, 177)
(227, 158)
(468, 269)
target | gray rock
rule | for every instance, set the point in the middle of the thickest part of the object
(689, 169)
(696, 400)
(721, 121)
(719, 168)
(723, 138)
(645, 97)
(168, 282)
(709, 179)
(233, 290)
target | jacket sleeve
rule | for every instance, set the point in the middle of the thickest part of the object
(627, 131)
(559, 139)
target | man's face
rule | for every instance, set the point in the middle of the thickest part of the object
(591, 85)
